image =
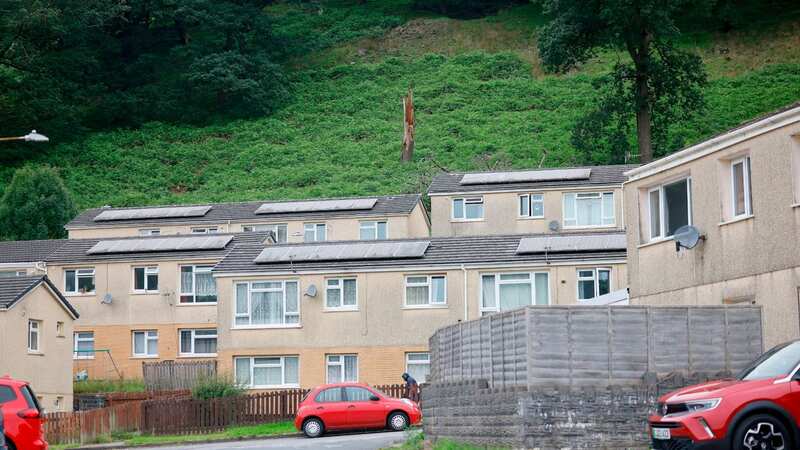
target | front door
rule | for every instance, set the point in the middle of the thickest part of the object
(361, 411)
(331, 408)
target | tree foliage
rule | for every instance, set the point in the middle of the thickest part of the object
(36, 205)
(658, 86)
(464, 9)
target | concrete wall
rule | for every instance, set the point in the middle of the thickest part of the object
(753, 260)
(50, 370)
(501, 213)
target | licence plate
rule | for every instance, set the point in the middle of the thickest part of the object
(661, 433)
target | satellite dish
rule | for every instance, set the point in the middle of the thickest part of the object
(554, 225)
(687, 236)
(107, 299)
(311, 291)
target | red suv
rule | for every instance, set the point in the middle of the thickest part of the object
(758, 410)
(353, 406)
(22, 415)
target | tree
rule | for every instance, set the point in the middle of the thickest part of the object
(36, 205)
(658, 86)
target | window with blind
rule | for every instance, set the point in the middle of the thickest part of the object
(502, 292)
(425, 291)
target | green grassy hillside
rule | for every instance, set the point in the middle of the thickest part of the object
(482, 102)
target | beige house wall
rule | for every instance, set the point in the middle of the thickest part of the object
(754, 259)
(49, 371)
(501, 213)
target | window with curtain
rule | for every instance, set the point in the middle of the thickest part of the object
(341, 293)
(418, 365)
(198, 342)
(593, 283)
(145, 343)
(742, 199)
(267, 303)
(426, 290)
(502, 292)
(264, 372)
(370, 230)
(342, 368)
(34, 329)
(588, 209)
(198, 285)
(83, 342)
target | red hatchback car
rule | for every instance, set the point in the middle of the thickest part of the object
(353, 406)
(758, 410)
(22, 416)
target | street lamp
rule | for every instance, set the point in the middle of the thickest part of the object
(33, 136)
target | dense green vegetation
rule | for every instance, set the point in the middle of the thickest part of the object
(104, 386)
(35, 205)
(482, 102)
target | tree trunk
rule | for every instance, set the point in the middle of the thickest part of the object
(643, 120)
(408, 126)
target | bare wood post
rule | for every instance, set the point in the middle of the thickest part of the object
(408, 126)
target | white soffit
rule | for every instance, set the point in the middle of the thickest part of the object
(542, 244)
(160, 244)
(526, 176)
(317, 205)
(343, 252)
(153, 213)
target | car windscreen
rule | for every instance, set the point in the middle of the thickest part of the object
(777, 362)
(30, 398)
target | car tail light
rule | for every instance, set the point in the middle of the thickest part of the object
(29, 414)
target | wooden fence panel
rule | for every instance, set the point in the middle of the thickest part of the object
(176, 375)
(86, 426)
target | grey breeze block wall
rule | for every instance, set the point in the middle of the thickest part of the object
(577, 376)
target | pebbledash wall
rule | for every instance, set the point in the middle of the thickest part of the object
(578, 376)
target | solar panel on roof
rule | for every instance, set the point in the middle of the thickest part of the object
(541, 244)
(317, 205)
(343, 252)
(153, 213)
(526, 176)
(166, 244)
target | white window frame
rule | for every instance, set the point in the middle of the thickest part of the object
(410, 362)
(748, 193)
(497, 282)
(150, 232)
(75, 339)
(595, 279)
(248, 314)
(603, 213)
(87, 272)
(148, 270)
(662, 211)
(315, 228)
(341, 365)
(272, 227)
(205, 230)
(464, 202)
(204, 268)
(282, 365)
(194, 337)
(429, 284)
(528, 200)
(340, 287)
(12, 273)
(372, 226)
(148, 338)
(35, 327)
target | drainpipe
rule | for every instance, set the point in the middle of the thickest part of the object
(466, 305)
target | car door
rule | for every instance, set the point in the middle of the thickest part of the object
(361, 411)
(331, 408)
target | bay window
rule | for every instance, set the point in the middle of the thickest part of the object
(267, 372)
(669, 208)
(505, 291)
(468, 208)
(341, 293)
(531, 205)
(370, 230)
(593, 283)
(267, 304)
(198, 285)
(79, 281)
(426, 290)
(145, 344)
(589, 209)
(199, 342)
(341, 368)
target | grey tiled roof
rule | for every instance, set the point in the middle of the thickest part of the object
(12, 289)
(74, 251)
(245, 211)
(601, 175)
(28, 251)
(448, 251)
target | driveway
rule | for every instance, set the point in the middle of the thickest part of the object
(349, 441)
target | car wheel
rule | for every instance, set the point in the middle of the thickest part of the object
(397, 421)
(313, 428)
(762, 432)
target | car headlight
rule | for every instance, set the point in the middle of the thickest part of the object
(702, 405)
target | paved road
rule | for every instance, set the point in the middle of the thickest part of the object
(350, 441)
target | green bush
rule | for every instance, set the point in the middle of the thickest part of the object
(218, 387)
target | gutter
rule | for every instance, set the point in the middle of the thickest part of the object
(466, 295)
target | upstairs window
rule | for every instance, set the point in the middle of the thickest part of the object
(593, 283)
(279, 231)
(531, 205)
(267, 303)
(34, 341)
(145, 279)
(315, 232)
(468, 208)
(198, 285)
(741, 198)
(669, 208)
(589, 209)
(150, 232)
(371, 230)
(205, 230)
(79, 281)
(12, 273)
(501, 292)
(426, 290)
(341, 293)
(83, 345)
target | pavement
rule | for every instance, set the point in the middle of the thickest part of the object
(348, 441)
